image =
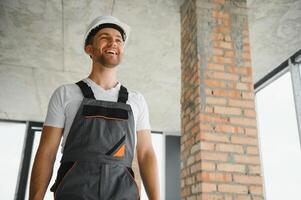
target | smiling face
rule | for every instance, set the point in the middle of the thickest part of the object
(106, 47)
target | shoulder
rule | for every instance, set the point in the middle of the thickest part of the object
(67, 88)
(137, 101)
(66, 92)
(136, 96)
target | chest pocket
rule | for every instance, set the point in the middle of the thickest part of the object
(107, 129)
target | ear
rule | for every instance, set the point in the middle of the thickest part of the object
(89, 49)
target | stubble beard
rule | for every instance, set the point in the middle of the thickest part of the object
(107, 62)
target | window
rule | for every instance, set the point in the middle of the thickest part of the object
(279, 139)
(11, 147)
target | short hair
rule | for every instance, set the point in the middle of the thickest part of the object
(94, 31)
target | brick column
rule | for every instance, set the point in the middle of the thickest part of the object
(219, 145)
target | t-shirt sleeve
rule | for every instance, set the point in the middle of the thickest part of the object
(143, 116)
(56, 115)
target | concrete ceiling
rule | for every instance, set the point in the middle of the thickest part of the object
(275, 33)
(41, 48)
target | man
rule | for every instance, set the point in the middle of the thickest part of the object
(101, 123)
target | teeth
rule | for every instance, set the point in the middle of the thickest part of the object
(111, 52)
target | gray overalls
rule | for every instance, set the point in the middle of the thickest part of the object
(98, 153)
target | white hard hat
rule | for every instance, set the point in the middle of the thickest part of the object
(109, 21)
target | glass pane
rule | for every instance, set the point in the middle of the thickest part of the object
(48, 195)
(159, 147)
(279, 140)
(11, 147)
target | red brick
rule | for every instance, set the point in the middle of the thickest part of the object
(221, 76)
(220, 14)
(219, 1)
(185, 172)
(244, 71)
(230, 54)
(209, 109)
(190, 160)
(227, 36)
(245, 33)
(195, 129)
(190, 180)
(244, 197)
(246, 47)
(203, 187)
(248, 95)
(214, 137)
(222, 29)
(249, 113)
(243, 86)
(208, 187)
(229, 148)
(243, 121)
(217, 36)
(214, 83)
(217, 51)
(241, 103)
(221, 59)
(224, 93)
(206, 127)
(207, 146)
(252, 150)
(246, 56)
(210, 118)
(232, 69)
(214, 177)
(254, 169)
(212, 156)
(228, 129)
(246, 40)
(244, 140)
(247, 63)
(257, 198)
(247, 79)
(185, 191)
(257, 190)
(216, 101)
(227, 167)
(226, 45)
(249, 180)
(214, 66)
(227, 110)
(207, 196)
(196, 167)
(207, 166)
(251, 132)
(247, 159)
(238, 189)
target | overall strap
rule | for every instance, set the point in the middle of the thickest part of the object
(123, 94)
(86, 90)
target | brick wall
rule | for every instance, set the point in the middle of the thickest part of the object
(219, 144)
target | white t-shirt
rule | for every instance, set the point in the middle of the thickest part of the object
(66, 99)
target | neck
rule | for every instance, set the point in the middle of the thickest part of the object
(104, 76)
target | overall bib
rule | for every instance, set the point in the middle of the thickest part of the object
(98, 153)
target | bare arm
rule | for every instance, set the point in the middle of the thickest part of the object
(44, 160)
(148, 164)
